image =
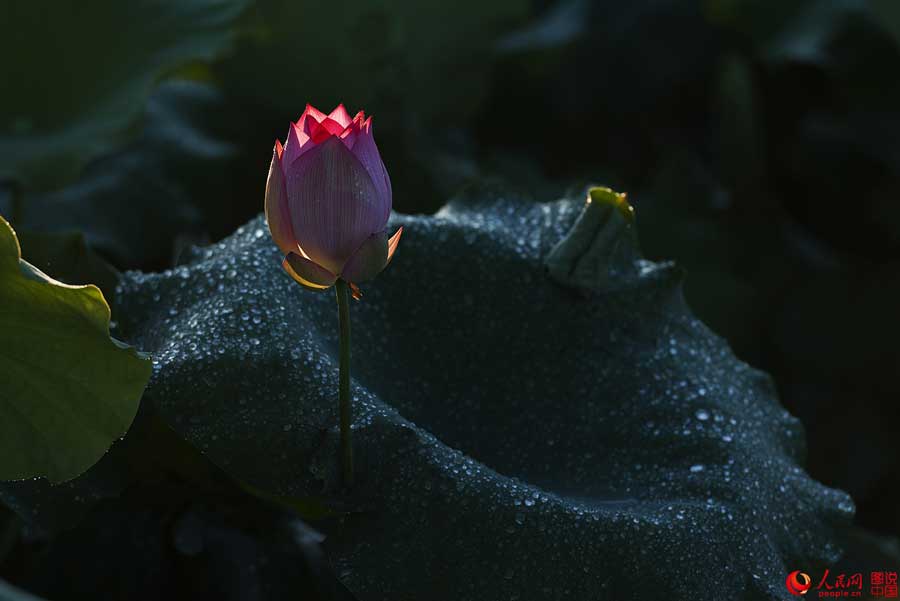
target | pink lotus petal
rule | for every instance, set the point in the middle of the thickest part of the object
(308, 273)
(389, 188)
(340, 115)
(311, 111)
(333, 203)
(368, 260)
(332, 126)
(301, 123)
(352, 131)
(298, 142)
(277, 214)
(318, 132)
(365, 150)
(348, 136)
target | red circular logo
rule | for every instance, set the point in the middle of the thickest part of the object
(797, 583)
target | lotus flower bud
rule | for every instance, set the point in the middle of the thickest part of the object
(328, 199)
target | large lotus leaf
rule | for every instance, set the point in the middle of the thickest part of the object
(76, 74)
(68, 257)
(67, 390)
(537, 413)
(176, 180)
(11, 593)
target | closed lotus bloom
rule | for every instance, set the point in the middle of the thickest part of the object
(328, 199)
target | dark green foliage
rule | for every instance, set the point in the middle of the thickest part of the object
(69, 390)
(758, 142)
(498, 409)
(77, 75)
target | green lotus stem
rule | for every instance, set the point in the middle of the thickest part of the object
(343, 300)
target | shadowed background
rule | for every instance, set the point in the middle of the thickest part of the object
(759, 143)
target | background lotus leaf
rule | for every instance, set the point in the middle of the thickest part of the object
(11, 593)
(387, 56)
(518, 435)
(173, 184)
(67, 390)
(82, 71)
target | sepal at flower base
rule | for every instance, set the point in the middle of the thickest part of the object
(371, 257)
(306, 273)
